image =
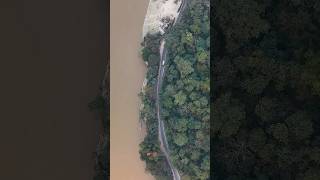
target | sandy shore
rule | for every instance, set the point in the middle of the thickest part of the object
(157, 10)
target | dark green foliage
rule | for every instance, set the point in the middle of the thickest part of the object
(100, 106)
(186, 91)
(97, 104)
(227, 116)
(311, 73)
(279, 132)
(244, 23)
(149, 148)
(266, 84)
(184, 97)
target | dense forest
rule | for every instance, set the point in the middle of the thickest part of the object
(184, 96)
(266, 90)
(150, 148)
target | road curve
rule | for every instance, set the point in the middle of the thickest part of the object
(164, 147)
(161, 130)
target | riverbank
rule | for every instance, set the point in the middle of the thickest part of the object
(154, 53)
(159, 15)
(150, 148)
(176, 102)
(101, 107)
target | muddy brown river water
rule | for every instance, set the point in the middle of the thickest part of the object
(127, 72)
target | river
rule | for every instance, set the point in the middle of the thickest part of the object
(127, 73)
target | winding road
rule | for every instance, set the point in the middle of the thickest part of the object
(164, 147)
(161, 130)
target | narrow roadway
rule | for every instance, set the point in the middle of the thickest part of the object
(161, 130)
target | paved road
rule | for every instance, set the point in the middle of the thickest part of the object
(161, 130)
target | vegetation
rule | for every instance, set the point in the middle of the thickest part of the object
(100, 105)
(184, 96)
(266, 93)
(149, 148)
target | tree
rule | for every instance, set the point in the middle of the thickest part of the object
(180, 139)
(146, 53)
(311, 74)
(245, 22)
(205, 165)
(180, 98)
(300, 125)
(202, 56)
(257, 139)
(97, 104)
(195, 155)
(170, 90)
(227, 115)
(265, 69)
(181, 125)
(167, 102)
(187, 38)
(185, 67)
(153, 60)
(266, 109)
(311, 174)
(195, 27)
(184, 96)
(280, 132)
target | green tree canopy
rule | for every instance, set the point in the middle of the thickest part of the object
(180, 139)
